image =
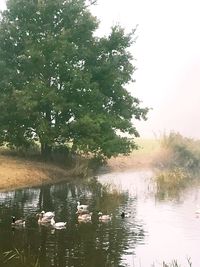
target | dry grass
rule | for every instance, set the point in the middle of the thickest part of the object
(144, 157)
(171, 179)
(17, 173)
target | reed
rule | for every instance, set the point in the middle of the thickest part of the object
(22, 257)
(175, 263)
(171, 179)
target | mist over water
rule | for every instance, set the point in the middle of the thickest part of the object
(158, 228)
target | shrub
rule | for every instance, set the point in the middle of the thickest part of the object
(185, 152)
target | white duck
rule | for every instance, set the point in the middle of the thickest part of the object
(104, 217)
(197, 211)
(81, 208)
(43, 220)
(58, 225)
(48, 214)
(17, 222)
(86, 217)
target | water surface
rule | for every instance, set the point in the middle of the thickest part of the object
(159, 227)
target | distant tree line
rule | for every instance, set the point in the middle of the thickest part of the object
(60, 84)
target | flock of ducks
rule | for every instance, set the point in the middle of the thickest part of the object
(83, 215)
(49, 218)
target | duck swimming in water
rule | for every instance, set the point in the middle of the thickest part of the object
(82, 208)
(48, 214)
(58, 225)
(104, 217)
(86, 217)
(43, 220)
(125, 215)
(44, 217)
(15, 222)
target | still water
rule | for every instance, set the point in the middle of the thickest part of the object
(160, 227)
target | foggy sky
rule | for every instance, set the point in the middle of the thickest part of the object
(167, 57)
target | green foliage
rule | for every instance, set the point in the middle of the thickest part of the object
(185, 151)
(60, 83)
(178, 164)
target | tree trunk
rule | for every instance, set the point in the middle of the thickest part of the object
(46, 150)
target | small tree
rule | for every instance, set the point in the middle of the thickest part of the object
(60, 83)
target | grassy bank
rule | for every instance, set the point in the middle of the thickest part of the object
(168, 152)
(144, 157)
(18, 172)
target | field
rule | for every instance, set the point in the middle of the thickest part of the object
(148, 151)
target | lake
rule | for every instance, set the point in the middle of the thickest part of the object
(160, 227)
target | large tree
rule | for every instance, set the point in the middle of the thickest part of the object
(62, 84)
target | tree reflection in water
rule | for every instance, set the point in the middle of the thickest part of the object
(80, 244)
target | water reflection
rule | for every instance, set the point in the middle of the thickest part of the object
(80, 244)
(170, 224)
(158, 229)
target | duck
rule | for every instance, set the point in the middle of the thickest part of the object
(125, 215)
(104, 217)
(81, 208)
(82, 212)
(58, 225)
(15, 222)
(43, 220)
(48, 214)
(197, 211)
(86, 217)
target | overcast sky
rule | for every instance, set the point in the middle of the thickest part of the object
(167, 54)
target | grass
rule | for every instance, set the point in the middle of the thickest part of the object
(146, 146)
(171, 179)
(138, 159)
(24, 258)
(17, 172)
(184, 152)
(175, 160)
(169, 183)
(175, 263)
(172, 151)
(167, 152)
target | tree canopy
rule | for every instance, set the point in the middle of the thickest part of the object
(61, 84)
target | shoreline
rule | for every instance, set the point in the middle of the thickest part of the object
(16, 172)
